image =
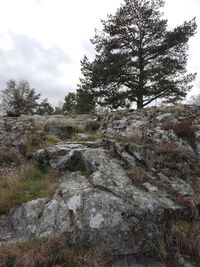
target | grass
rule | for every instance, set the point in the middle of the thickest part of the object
(137, 175)
(37, 141)
(134, 136)
(179, 236)
(66, 121)
(29, 183)
(51, 252)
(173, 153)
(92, 126)
(86, 173)
(90, 137)
(8, 156)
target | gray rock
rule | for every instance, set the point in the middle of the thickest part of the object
(61, 131)
(165, 117)
(96, 200)
(102, 206)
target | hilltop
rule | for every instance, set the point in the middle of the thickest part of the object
(117, 189)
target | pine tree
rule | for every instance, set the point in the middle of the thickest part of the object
(69, 104)
(85, 101)
(138, 59)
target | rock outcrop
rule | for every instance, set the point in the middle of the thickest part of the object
(118, 190)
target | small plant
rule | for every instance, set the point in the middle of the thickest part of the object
(92, 126)
(183, 130)
(172, 153)
(86, 173)
(8, 156)
(134, 136)
(137, 175)
(38, 124)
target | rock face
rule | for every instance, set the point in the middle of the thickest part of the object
(14, 131)
(95, 201)
(61, 131)
(116, 191)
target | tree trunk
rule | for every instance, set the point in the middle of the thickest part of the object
(140, 102)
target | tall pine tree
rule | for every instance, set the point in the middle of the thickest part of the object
(138, 59)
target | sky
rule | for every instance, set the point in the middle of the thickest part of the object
(43, 41)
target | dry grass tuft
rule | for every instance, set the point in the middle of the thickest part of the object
(92, 126)
(30, 182)
(134, 136)
(8, 156)
(183, 129)
(137, 175)
(51, 252)
(172, 153)
(179, 236)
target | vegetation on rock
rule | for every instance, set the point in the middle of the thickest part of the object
(28, 183)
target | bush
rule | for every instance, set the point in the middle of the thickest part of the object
(183, 130)
(172, 153)
(92, 126)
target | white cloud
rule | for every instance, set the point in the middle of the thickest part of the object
(44, 40)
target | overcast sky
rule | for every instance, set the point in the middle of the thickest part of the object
(43, 41)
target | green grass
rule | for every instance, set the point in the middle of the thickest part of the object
(87, 174)
(29, 183)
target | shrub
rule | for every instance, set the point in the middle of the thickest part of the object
(172, 153)
(92, 126)
(183, 130)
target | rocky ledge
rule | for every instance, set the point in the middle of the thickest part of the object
(128, 191)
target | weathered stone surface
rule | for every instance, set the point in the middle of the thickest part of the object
(61, 131)
(103, 205)
(97, 200)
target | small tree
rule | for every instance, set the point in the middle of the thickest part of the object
(85, 101)
(45, 108)
(70, 103)
(19, 98)
(80, 102)
(137, 58)
(195, 100)
(59, 109)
